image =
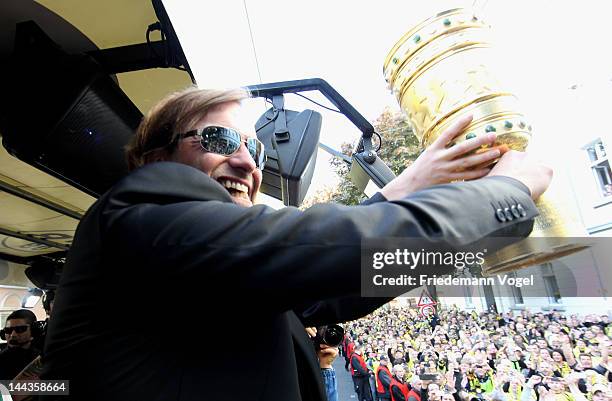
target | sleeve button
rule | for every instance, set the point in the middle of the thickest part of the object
(500, 215)
(508, 215)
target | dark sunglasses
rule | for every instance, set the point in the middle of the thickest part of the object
(226, 141)
(17, 329)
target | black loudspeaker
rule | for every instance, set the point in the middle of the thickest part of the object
(291, 139)
(63, 114)
(44, 273)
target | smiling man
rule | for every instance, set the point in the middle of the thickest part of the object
(174, 275)
(239, 173)
(204, 130)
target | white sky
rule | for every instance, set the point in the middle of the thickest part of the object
(545, 47)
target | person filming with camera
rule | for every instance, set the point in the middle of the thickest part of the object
(326, 340)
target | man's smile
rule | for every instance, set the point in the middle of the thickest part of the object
(239, 189)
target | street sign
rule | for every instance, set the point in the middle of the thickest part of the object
(426, 303)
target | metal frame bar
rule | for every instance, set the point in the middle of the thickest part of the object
(20, 193)
(26, 260)
(336, 153)
(137, 57)
(31, 238)
(365, 156)
(303, 85)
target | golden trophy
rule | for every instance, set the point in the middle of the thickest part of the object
(441, 70)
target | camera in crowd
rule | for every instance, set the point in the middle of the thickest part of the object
(331, 335)
(429, 376)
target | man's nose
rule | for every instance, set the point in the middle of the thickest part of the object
(242, 159)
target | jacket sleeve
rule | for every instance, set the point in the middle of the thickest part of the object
(284, 258)
(357, 367)
(341, 309)
(384, 378)
(397, 394)
(391, 357)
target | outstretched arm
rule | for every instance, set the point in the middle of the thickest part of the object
(282, 257)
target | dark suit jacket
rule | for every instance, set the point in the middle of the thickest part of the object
(173, 292)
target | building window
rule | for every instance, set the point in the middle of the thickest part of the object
(517, 294)
(467, 294)
(600, 165)
(550, 284)
(552, 289)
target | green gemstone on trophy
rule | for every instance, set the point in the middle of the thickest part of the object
(417, 38)
(395, 60)
(447, 22)
(490, 128)
(508, 125)
(471, 135)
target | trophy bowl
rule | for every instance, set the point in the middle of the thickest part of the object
(443, 69)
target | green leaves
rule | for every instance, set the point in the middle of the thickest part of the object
(400, 147)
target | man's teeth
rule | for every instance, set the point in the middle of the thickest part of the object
(235, 185)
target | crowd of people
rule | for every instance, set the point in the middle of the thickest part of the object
(396, 354)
